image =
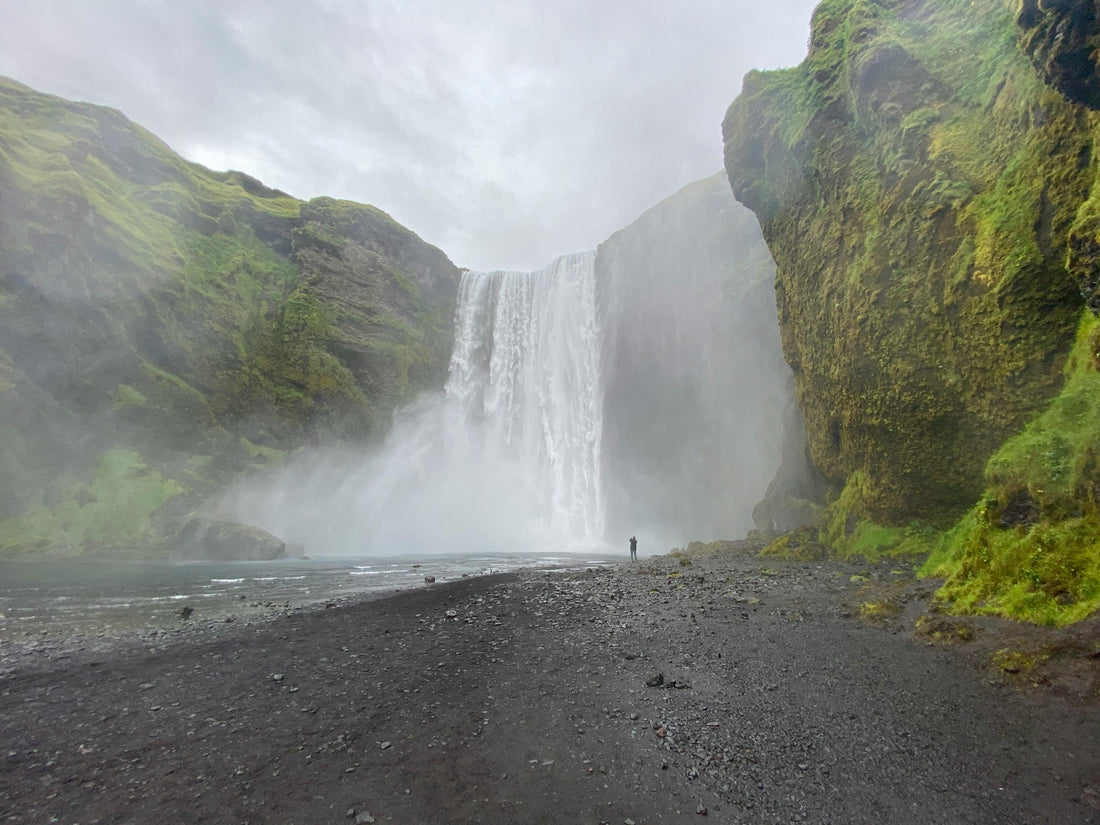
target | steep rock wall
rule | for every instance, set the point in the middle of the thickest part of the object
(917, 182)
(695, 384)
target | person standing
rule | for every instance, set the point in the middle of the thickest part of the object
(633, 549)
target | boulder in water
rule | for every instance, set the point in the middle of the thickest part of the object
(203, 539)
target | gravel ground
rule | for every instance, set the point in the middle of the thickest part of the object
(733, 688)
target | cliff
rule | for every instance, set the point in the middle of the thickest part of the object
(164, 328)
(926, 181)
(695, 382)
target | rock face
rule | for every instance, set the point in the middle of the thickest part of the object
(918, 185)
(210, 540)
(164, 328)
(695, 383)
(1062, 38)
(797, 493)
(928, 184)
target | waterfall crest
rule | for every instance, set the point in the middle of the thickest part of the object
(507, 457)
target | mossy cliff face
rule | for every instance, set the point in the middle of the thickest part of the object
(919, 184)
(1062, 38)
(1030, 547)
(164, 327)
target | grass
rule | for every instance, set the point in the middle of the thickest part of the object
(114, 509)
(1045, 568)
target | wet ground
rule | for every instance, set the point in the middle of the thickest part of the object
(733, 688)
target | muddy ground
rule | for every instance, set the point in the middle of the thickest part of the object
(731, 690)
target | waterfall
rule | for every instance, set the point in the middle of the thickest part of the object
(637, 391)
(525, 376)
(506, 457)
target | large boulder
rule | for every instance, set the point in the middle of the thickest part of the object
(203, 539)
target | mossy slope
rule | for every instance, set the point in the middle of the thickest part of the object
(195, 321)
(1030, 548)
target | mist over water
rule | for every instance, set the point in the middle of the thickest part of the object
(694, 379)
(507, 457)
(637, 390)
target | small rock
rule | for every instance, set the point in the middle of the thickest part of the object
(655, 681)
(363, 818)
(701, 810)
(386, 745)
(429, 579)
(278, 677)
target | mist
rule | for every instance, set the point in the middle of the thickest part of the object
(505, 458)
(637, 390)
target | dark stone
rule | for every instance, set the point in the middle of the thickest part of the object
(203, 539)
(1021, 509)
(1061, 39)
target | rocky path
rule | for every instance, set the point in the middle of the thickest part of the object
(731, 689)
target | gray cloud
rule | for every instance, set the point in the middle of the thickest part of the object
(505, 133)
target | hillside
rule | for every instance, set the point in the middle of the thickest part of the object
(164, 327)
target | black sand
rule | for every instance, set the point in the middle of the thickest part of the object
(523, 698)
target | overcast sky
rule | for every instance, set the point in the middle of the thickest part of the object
(506, 133)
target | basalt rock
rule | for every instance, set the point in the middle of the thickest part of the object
(203, 539)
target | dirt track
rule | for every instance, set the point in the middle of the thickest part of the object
(736, 689)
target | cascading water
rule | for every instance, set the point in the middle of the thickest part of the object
(506, 458)
(639, 391)
(525, 374)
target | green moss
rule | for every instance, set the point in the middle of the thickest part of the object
(916, 183)
(798, 545)
(268, 454)
(1018, 661)
(850, 532)
(196, 318)
(878, 611)
(1030, 549)
(128, 396)
(939, 628)
(112, 510)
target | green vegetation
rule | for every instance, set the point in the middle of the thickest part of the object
(198, 319)
(798, 545)
(916, 183)
(926, 183)
(114, 510)
(1030, 548)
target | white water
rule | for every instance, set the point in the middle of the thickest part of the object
(506, 458)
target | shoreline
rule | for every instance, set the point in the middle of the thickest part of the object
(748, 688)
(149, 612)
